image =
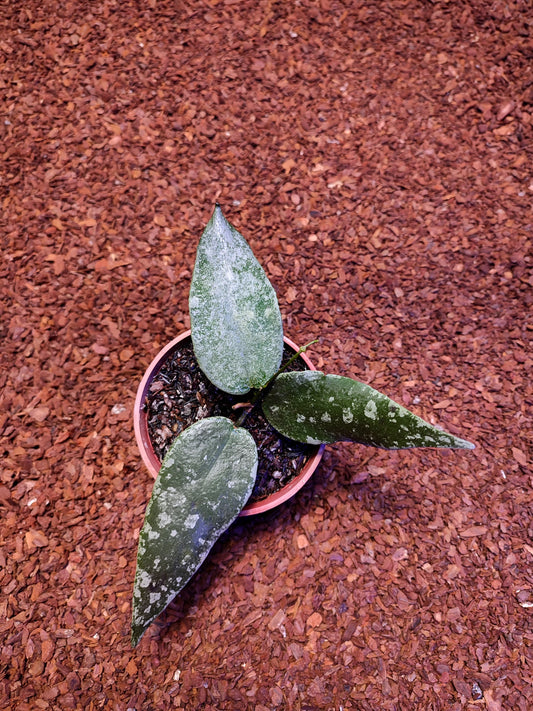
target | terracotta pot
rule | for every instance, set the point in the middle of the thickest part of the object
(140, 422)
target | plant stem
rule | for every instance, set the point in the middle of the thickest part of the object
(259, 394)
(253, 402)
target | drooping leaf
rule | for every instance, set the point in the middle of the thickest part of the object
(235, 318)
(205, 480)
(312, 407)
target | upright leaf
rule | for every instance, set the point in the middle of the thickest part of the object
(235, 318)
(312, 407)
(204, 482)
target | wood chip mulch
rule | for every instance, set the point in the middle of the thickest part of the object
(378, 158)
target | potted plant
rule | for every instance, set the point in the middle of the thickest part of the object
(158, 414)
(209, 469)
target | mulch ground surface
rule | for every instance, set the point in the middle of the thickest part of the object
(378, 158)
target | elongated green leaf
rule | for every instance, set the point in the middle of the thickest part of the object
(204, 482)
(312, 407)
(235, 318)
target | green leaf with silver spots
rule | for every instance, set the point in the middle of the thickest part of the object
(236, 326)
(316, 408)
(205, 480)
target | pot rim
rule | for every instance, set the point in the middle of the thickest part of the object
(152, 463)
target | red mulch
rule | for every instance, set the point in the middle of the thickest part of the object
(378, 158)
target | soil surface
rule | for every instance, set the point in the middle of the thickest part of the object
(378, 158)
(181, 394)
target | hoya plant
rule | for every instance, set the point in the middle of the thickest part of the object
(209, 470)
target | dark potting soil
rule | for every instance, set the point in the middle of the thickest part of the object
(181, 394)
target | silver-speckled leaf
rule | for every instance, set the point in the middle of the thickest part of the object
(312, 407)
(205, 480)
(235, 318)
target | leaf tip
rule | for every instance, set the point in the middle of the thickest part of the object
(136, 635)
(218, 219)
(464, 444)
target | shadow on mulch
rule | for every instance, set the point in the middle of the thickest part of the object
(346, 476)
(243, 536)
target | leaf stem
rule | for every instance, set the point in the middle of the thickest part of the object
(291, 360)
